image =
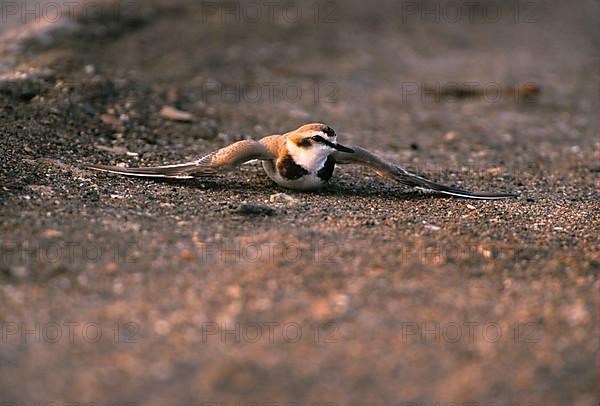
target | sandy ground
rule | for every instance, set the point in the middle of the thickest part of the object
(116, 290)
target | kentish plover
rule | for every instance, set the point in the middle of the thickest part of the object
(303, 159)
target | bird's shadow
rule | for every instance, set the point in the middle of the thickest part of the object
(335, 188)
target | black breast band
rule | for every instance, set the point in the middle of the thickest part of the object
(326, 171)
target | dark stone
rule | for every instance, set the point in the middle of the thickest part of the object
(256, 209)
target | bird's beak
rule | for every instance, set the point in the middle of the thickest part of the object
(342, 148)
(339, 147)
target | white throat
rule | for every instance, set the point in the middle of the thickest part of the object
(312, 159)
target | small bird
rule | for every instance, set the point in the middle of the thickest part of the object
(303, 159)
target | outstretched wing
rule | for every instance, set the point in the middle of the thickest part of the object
(384, 168)
(222, 160)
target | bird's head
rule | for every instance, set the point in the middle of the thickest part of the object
(315, 138)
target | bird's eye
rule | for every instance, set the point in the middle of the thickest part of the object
(304, 143)
(318, 138)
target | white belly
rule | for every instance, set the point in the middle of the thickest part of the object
(305, 183)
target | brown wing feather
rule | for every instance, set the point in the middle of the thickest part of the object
(222, 160)
(384, 168)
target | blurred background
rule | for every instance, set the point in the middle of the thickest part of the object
(130, 291)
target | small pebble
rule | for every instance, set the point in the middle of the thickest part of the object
(19, 272)
(282, 198)
(171, 113)
(111, 267)
(162, 327)
(113, 121)
(186, 256)
(299, 114)
(50, 233)
(450, 136)
(115, 149)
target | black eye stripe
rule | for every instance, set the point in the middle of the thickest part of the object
(305, 143)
